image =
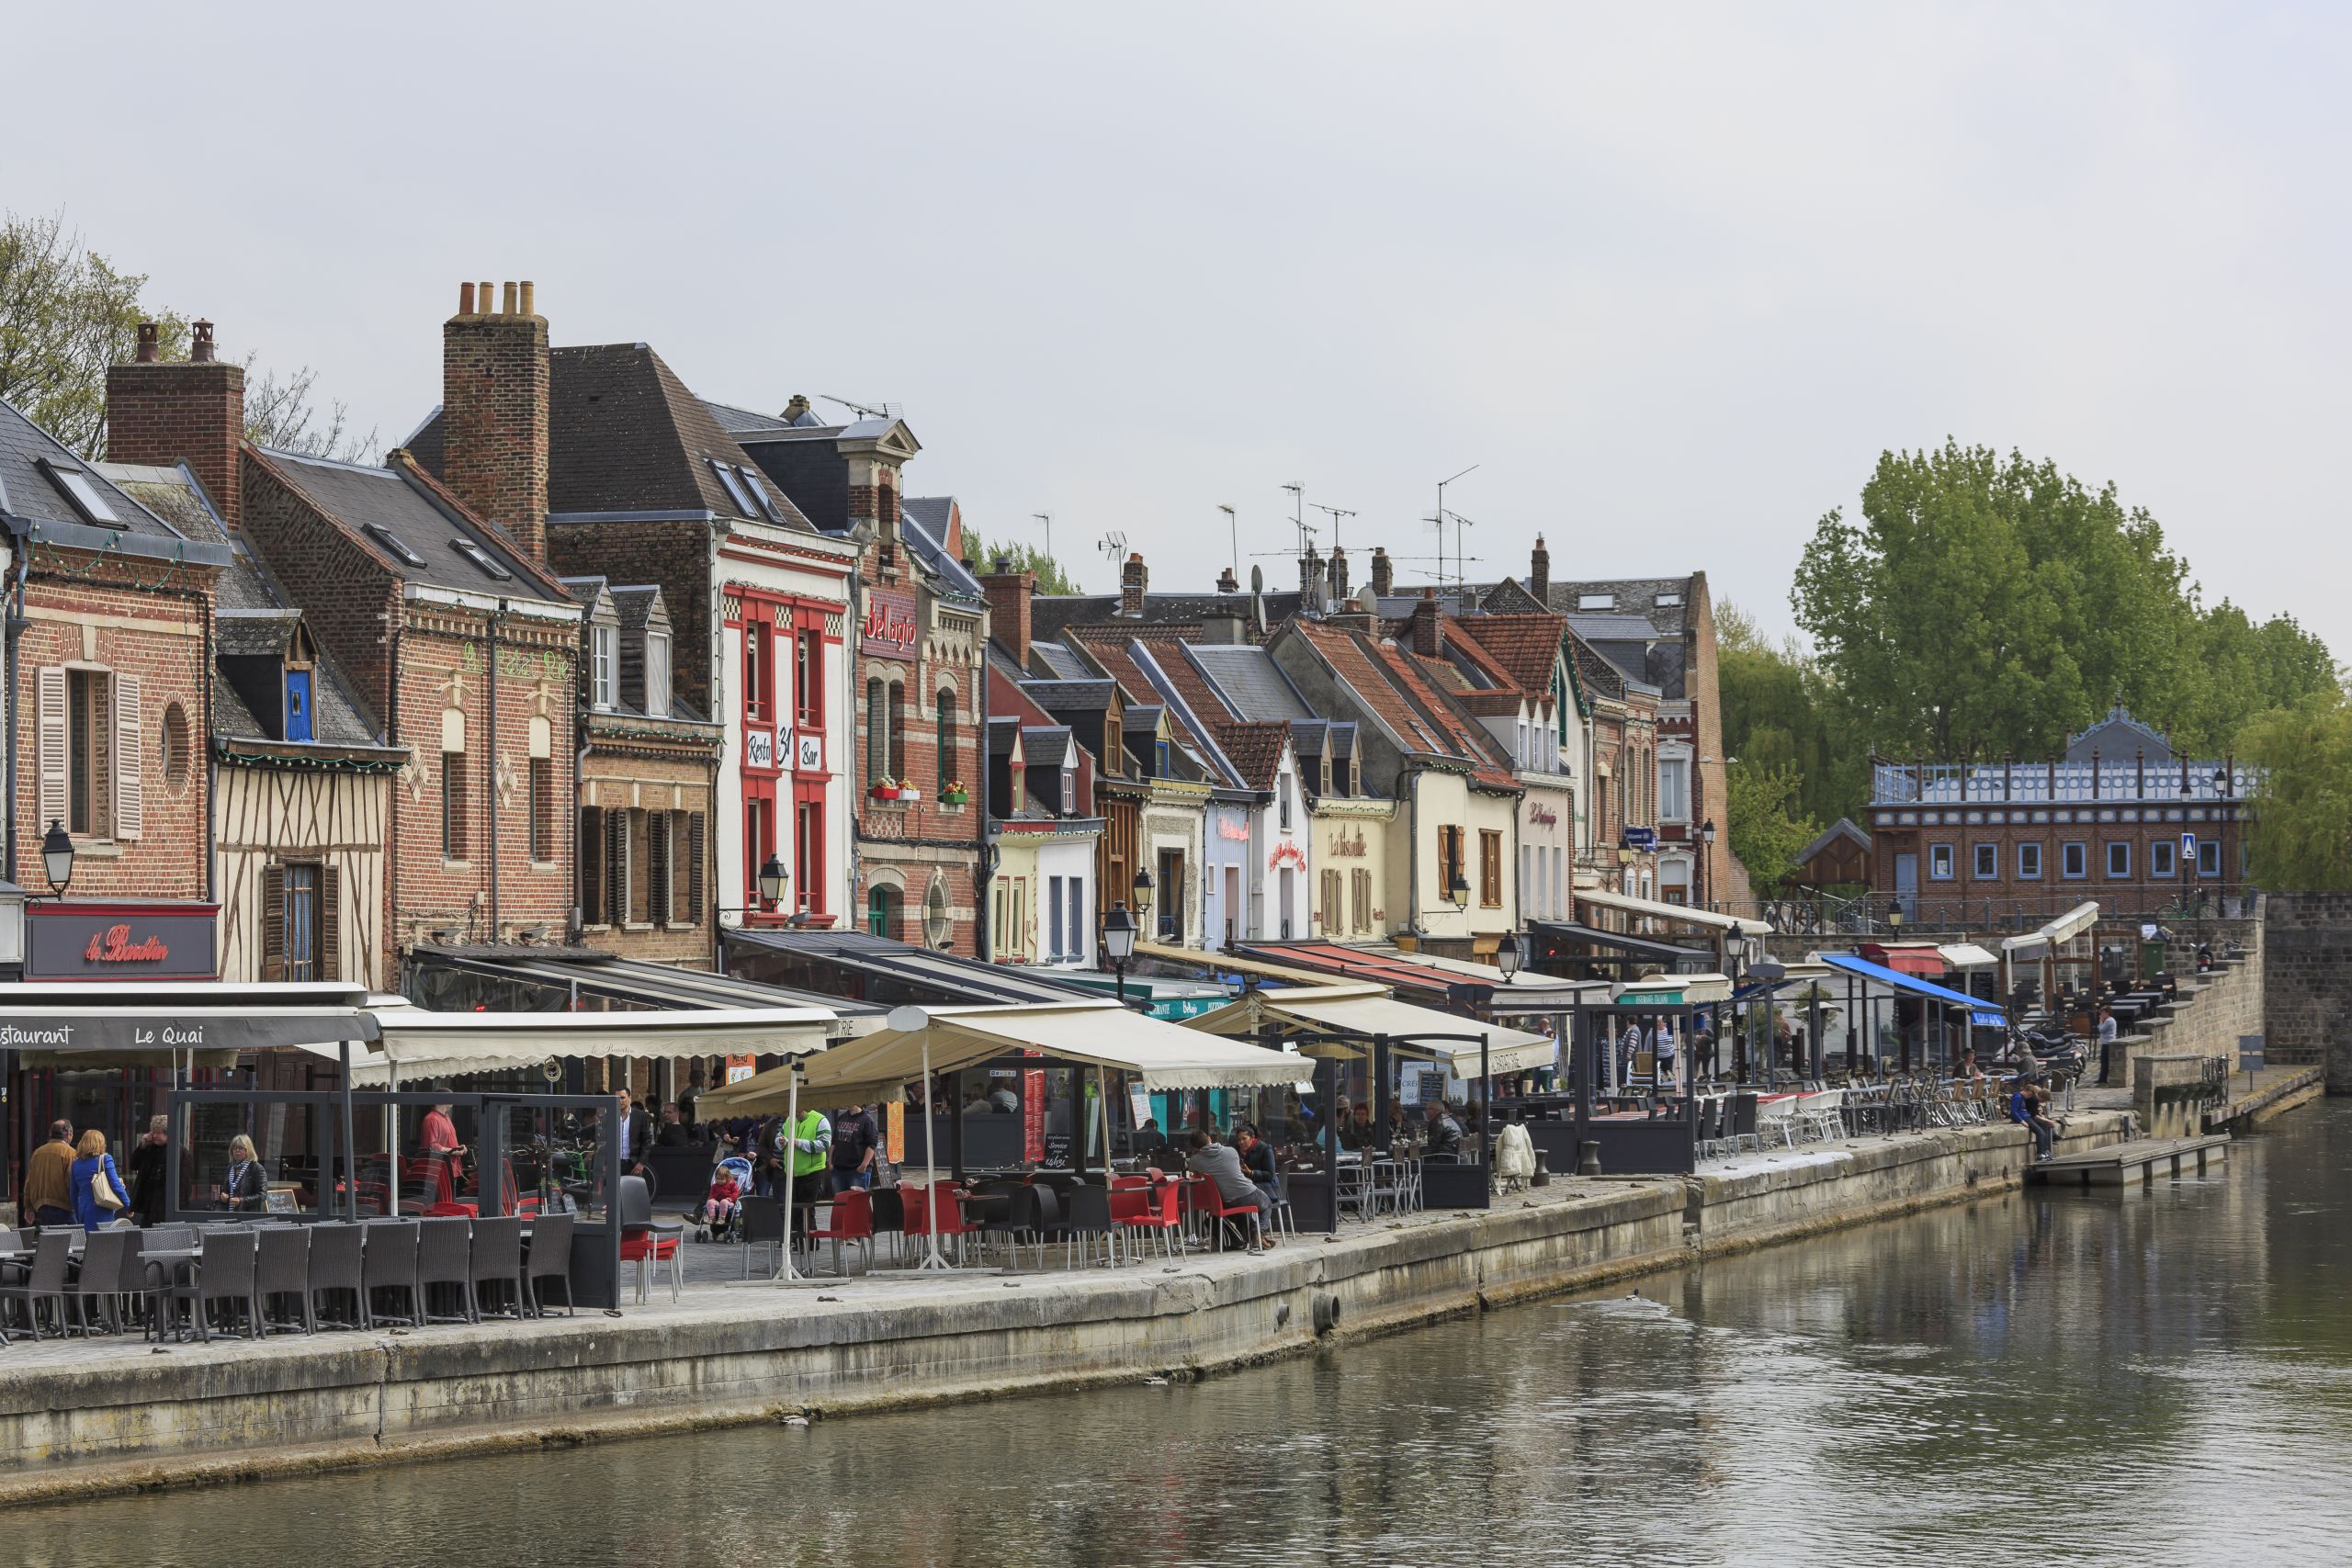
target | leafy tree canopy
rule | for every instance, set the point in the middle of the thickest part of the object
(2302, 809)
(1052, 576)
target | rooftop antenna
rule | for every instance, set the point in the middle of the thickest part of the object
(1440, 518)
(1232, 525)
(1461, 567)
(862, 411)
(1113, 546)
(1048, 519)
(1298, 515)
(1335, 512)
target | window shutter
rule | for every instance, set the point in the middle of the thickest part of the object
(129, 804)
(273, 922)
(657, 863)
(51, 706)
(615, 867)
(592, 865)
(328, 959)
(694, 868)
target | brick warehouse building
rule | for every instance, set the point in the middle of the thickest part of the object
(2120, 817)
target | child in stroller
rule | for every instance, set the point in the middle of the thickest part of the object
(723, 1203)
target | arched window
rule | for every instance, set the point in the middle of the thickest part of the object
(947, 773)
(877, 731)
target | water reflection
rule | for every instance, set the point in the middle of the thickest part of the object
(2140, 1380)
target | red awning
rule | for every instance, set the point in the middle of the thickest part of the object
(1922, 959)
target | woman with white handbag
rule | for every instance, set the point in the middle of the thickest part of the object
(99, 1195)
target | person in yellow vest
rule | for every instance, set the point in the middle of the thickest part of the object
(809, 1147)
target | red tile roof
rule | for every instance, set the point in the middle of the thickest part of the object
(1384, 679)
(1523, 647)
(1256, 749)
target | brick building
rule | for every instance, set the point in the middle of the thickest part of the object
(920, 627)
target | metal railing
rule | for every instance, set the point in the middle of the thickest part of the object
(1872, 914)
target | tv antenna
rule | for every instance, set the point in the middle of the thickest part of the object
(1232, 525)
(1298, 516)
(1335, 513)
(864, 410)
(1114, 545)
(1440, 518)
(1048, 519)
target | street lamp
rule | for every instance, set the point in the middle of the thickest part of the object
(1119, 945)
(57, 856)
(1895, 918)
(772, 881)
(1510, 955)
(1706, 837)
(1142, 889)
(1458, 891)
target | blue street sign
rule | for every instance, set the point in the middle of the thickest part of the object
(1640, 838)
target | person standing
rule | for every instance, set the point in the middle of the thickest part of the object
(855, 1139)
(2107, 1033)
(148, 1172)
(49, 1179)
(245, 1188)
(99, 1192)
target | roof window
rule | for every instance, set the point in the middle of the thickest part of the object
(489, 564)
(1596, 601)
(83, 490)
(734, 483)
(1668, 601)
(393, 542)
(759, 494)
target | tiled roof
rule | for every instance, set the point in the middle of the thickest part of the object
(1255, 751)
(422, 517)
(1524, 647)
(1385, 681)
(28, 492)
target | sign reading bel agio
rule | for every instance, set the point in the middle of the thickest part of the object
(891, 630)
(120, 942)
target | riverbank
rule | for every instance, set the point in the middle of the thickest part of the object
(85, 1418)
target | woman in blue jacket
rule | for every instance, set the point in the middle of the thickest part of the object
(93, 1161)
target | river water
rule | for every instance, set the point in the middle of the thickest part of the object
(2147, 1380)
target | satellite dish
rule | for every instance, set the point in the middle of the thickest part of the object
(1367, 600)
(1257, 579)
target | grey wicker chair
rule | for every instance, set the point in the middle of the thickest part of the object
(388, 1266)
(444, 1256)
(334, 1272)
(224, 1273)
(42, 1278)
(549, 1261)
(496, 1272)
(282, 1269)
(98, 1283)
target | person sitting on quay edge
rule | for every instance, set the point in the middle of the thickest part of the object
(2025, 1110)
(94, 1166)
(49, 1179)
(1223, 1166)
(1444, 1133)
(245, 1189)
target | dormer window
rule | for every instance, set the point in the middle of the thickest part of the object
(394, 544)
(491, 565)
(657, 674)
(81, 488)
(1070, 790)
(604, 666)
(298, 704)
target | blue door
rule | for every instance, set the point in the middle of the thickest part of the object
(1906, 884)
(298, 705)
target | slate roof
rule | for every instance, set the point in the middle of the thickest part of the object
(27, 492)
(635, 606)
(173, 494)
(1061, 663)
(1051, 614)
(1601, 678)
(1060, 696)
(1510, 597)
(1524, 647)
(420, 516)
(625, 434)
(1249, 682)
(1635, 596)
(926, 537)
(1612, 628)
(2116, 738)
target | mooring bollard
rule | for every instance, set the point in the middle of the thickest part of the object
(1588, 1159)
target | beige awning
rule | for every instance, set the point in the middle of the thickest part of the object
(1365, 1010)
(1967, 956)
(1652, 909)
(2065, 928)
(416, 1044)
(1158, 1055)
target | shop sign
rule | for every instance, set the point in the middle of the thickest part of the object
(120, 942)
(1347, 848)
(1640, 838)
(1227, 827)
(890, 630)
(811, 757)
(1542, 816)
(1287, 854)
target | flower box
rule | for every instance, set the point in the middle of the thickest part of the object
(885, 792)
(956, 797)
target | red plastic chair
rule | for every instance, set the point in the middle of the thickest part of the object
(849, 1216)
(942, 1205)
(1208, 1203)
(1145, 1211)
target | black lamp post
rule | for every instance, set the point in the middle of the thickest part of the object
(772, 881)
(1142, 900)
(1510, 955)
(57, 857)
(1119, 945)
(1706, 883)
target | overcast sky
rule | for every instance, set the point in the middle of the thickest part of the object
(1672, 279)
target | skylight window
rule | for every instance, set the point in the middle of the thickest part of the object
(734, 483)
(84, 492)
(1596, 601)
(759, 494)
(481, 557)
(393, 542)
(1669, 601)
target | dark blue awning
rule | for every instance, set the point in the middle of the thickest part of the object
(1979, 1009)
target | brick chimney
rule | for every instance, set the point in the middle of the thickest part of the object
(192, 412)
(1336, 569)
(1539, 572)
(1227, 582)
(495, 411)
(1132, 580)
(1009, 594)
(795, 409)
(1383, 572)
(1429, 638)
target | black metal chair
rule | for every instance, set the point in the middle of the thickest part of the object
(282, 1269)
(763, 1226)
(335, 1270)
(223, 1273)
(444, 1257)
(97, 1277)
(1090, 1218)
(389, 1265)
(497, 1265)
(549, 1257)
(43, 1277)
(890, 1218)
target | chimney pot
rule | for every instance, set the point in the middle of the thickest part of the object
(1227, 582)
(200, 349)
(530, 298)
(482, 298)
(149, 344)
(508, 302)
(464, 299)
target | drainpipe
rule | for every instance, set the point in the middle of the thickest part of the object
(490, 795)
(392, 805)
(18, 542)
(984, 871)
(1409, 785)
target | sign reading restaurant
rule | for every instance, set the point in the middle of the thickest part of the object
(121, 941)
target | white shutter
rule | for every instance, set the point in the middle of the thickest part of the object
(129, 804)
(51, 686)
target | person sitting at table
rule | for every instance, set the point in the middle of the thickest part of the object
(1257, 1158)
(1444, 1133)
(94, 1171)
(49, 1179)
(1148, 1139)
(1968, 1068)
(245, 1189)
(1356, 1131)
(1003, 1100)
(1223, 1166)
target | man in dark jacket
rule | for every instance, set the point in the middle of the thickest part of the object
(1444, 1132)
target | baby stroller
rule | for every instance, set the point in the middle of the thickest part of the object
(730, 1228)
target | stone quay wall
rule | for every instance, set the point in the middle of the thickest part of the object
(2307, 979)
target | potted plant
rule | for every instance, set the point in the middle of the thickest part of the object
(955, 793)
(886, 788)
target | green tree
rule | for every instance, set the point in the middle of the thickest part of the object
(1052, 576)
(1780, 710)
(1768, 828)
(2302, 838)
(65, 315)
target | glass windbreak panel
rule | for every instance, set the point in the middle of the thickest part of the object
(554, 1160)
(242, 1157)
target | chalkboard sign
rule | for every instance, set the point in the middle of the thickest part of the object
(1056, 1152)
(282, 1201)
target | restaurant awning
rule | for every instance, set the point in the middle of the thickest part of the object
(415, 1044)
(1524, 992)
(2065, 928)
(1227, 962)
(875, 969)
(86, 1024)
(1644, 947)
(588, 975)
(1161, 1057)
(1652, 909)
(1980, 1010)
(1922, 958)
(1672, 991)
(1967, 956)
(1361, 1011)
